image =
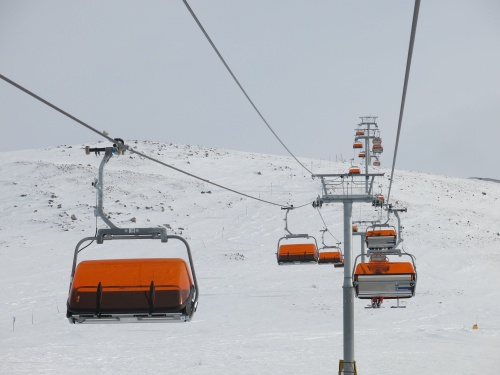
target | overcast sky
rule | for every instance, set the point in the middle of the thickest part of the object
(143, 70)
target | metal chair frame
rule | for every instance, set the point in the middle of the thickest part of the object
(291, 235)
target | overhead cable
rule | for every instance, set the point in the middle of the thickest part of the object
(54, 107)
(407, 75)
(203, 179)
(328, 230)
(240, 86)
(303, 205)
(102, 134)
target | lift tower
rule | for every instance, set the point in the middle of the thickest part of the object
(347, 189)
(368, 131)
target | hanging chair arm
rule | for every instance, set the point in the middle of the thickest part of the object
(99, 186)
(75, 257)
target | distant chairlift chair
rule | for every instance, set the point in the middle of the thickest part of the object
(381, 237)
(330, 254)
(296, 253)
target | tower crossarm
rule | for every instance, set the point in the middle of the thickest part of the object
(341, 187)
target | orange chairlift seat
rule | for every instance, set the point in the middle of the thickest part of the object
(377, 141)
(381, 238)
(360, 132)
(354, 170)
(377, 149)
(130, 285)
(376, 163)
(330, 254)
(132, 290)
(381, 278)
(296, 253)
(378, 201)
(362, 154)
(357, 145)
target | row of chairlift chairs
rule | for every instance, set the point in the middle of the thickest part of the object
(166, 289)
(306, 252)
(377, 149)
(378, 279)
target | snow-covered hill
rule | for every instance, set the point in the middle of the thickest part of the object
(253, 316)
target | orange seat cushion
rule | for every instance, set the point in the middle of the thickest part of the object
(126, 284)
(381, 233)
(330, 256)
(384, 268)
(297, 252)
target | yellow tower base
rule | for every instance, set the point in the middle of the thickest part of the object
(341, 367)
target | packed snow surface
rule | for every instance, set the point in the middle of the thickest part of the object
(254, 316)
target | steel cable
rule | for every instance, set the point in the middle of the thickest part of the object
(328, 230)
(55, 107)
(239, 84)
(405, 86)
(132, 150)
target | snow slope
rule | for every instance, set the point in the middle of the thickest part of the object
(253, 316)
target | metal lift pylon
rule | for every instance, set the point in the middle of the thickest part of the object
(347, 189)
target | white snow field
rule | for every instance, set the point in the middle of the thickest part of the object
(254, 317)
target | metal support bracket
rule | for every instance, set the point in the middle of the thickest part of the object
(136, 233)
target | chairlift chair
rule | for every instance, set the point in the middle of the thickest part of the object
(330, 254)
(357, 145)
(296, 253)
(377, 149)
(377, 141)
(360, 132)
(380, 278)
(362, 154)
(381, 237)
(130, 290)
(378, 201)
(354, 170)
(376, 163)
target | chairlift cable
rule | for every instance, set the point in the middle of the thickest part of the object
(203, 179)
(405, 86)
(319, 212)
(132, 150)
(56, 108)
(297, 207)
(239, 84)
